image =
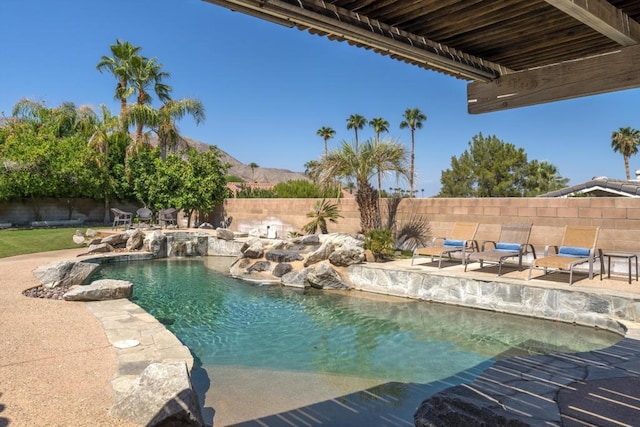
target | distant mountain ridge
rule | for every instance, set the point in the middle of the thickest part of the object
(260, 174)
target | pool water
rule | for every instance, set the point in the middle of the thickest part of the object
(229, 322)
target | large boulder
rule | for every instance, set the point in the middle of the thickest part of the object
(224, 234)
(78, 237)
(162, 396)
(259, 266)
(254, 250)
(100, 248)
(283, 256)
(239, 267)
(296, 279)
(136, 240)
(461, 406)
(100, 290)
(323, 276)
(319, 254)
(64, 273)
(117, 240)
(347, 257)
(281, 269)
(156, 243)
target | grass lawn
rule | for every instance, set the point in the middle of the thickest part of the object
(17, 242)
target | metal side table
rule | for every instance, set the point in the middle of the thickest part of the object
(629, 256)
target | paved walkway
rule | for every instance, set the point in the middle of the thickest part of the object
(58, 360)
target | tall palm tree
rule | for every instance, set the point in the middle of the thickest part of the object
(625, 141)
(413, 119)
(146, 75)
(379, 125)
(310, 170)
(326, 133)
(356, 122)
(119, 64)
(253, 166)
(345, 162)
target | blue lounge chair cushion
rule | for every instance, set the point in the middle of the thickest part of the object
(453, 243)
(508, 247)
(571, 251)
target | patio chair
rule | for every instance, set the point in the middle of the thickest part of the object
(144, 216)
(513, 242)
(168, 217)
(121, 217)
(461, 239)
(578, 246)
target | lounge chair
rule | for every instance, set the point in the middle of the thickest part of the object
(513, 242)
(144, 216)
(168, 217)
(578, 246)
(121, 217)
(461, 239)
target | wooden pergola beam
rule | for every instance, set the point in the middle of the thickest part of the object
(377, 35)
(591, 76)
(603, 17)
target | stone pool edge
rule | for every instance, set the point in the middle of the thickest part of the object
(611, 311)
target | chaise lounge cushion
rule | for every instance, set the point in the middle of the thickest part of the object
(508, 247)
(574, 252)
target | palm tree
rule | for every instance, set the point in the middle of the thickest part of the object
(625, 141)
(146, 75)
(345, 162)
(310, 170)
(119, 64)
(379, 125)
(355, 122)
(413, 119)
(322, 212)
(99, 140)
(163, 122)
(253, 166)
(326, 133)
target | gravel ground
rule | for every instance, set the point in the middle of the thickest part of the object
(55, 361)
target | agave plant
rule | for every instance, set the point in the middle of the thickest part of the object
(322, 212)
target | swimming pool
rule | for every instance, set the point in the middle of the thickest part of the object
(319, 345)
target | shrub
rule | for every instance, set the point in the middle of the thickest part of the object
(380, 243)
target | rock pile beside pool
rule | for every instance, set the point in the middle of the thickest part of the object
(307, 261)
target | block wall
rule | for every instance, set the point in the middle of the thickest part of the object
(617, 217)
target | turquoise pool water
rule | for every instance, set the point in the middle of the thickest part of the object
(228, 322)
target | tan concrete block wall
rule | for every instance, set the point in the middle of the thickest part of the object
(619, 218)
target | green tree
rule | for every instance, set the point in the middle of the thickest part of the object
(356, 122)
(120, 64)
(345, 162)
(543, 177)
(253, 166)
(303, 189)
(162, 121)
(326, 133)
(379, 125)
(322, 212)
(413, 119)
(194, 183)
(310, 170)
(625, 141)
(491, 167)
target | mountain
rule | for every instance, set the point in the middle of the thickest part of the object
(260, 174)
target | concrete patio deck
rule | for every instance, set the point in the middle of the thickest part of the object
(57, 364)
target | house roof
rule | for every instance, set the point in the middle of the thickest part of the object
(599, 187)
(514, 52)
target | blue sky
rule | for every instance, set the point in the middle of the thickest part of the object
(267, 89)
